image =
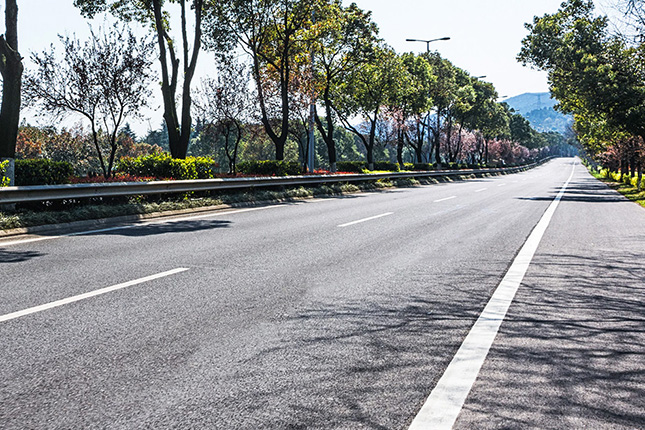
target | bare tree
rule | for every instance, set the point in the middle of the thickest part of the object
(104, 79)
(225, 103)
(11, 68)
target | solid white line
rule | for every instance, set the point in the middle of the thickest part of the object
(124, 227)
(447, 198)
(365, 219)
(444, 404)
(480, 190)
(83, 296)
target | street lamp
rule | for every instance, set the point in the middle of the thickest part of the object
(427, 42)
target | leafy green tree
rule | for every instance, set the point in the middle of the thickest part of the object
(408, 106)
(594, 75)
(278, 36)
(444, 93)
(345, 36)
(366, 93)
(521, 130)
(153, 13)
(457, 112)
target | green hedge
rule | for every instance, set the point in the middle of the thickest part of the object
(351, 166)
(417, 166)
(4, 181)
(43, 172)
(386, 165)
(162, 165)
(269, 167)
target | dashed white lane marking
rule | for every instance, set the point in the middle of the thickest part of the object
(365, 219)
(83, 296)
(124, 227)
(501, 185)
(447, 198)
(480, 190)
(444, 404)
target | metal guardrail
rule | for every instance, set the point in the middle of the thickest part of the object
(22, 194)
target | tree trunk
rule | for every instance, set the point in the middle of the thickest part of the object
(639, 181)
(178, 133)
(328, 133)
(437, 141)
(11, 68)
(399, 150)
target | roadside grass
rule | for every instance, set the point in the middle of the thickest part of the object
(49, 213)
(613, 181)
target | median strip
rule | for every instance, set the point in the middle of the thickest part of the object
(88, 295)
(444, 404)
(365, 219)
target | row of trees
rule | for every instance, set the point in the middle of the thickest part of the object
(277, 61)
(598, 75)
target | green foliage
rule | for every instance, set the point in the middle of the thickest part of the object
(162, 165)
(351, 166)
(43, 172)
(4, 181)
(422, 166)
(593, 74)
(386, 165)
(269, 167)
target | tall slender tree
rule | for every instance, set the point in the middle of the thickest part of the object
(152, 12)
(277, 35)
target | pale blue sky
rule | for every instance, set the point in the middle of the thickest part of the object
(485, 35)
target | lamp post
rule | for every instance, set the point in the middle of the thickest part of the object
(427, 42)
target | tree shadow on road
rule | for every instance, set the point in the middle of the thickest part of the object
(570, 353)
(18, 256)
(366, 364)
(583, 191)
(163, 228)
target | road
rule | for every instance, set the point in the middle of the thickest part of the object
(333, 313)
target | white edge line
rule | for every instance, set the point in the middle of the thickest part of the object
(447, 198)
(365, 219)
(139, 224)
(87, 295)
(441, 409)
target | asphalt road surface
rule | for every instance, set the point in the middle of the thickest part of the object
(336, 313)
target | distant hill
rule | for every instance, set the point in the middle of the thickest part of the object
(537, 108)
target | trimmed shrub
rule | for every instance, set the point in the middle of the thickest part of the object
(422, 166)
(4, 181)
(408, 166)
(269, 167)
(351, 166)
(43, 172)
(163, 166)
(386, 165)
